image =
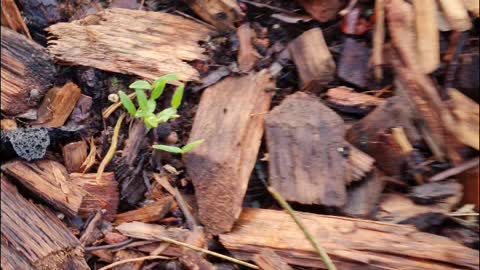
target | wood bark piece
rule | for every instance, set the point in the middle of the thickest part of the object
(230, 121)
(364, 195)
(146, 231)
(50, 181)
(27, 72)
(428, 35)
(147, 44)
(313, 59)
(193, 259)
(322, 10)
(308, 156)
(12, 18)
(102, 194)
(347, 100)
(456, 14)
(33, 237)
(466, 114)
(247, 54)
(74, 154)
(351, 243)
(57, 105)
(150, 213)
(267, 259)
(220, 13)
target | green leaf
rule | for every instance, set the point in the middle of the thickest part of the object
(177, 96)
(189, 147)
(127, 103)
(141, 85)
(142, 100)
(167, 148)
(151, 106)
(159, 85)
(167, 114)
(151, 121)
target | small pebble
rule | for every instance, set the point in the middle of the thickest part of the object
(113, 98)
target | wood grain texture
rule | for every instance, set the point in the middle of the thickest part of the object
(27, 72)
(50, 181)
(12, 18)
(147, 44)
(351, 243)
(150, 213)
(147, 231)
(230, 120)
(267, 259)
(74, 154)
(33, 237)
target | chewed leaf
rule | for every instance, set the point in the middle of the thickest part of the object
(141, 85)
(127, 103)
(159, 85)
(142, 100)
(189, 147)
(167, 148)
(177, 96)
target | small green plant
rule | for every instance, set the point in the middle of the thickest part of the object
(177, 150)
(147, 106)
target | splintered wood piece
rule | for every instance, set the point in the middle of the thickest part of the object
(146, 231)
(346, 99)
(50, 181)
(353, 66)
(456, 14)
(74, 154)
(267, 259)
(57, 105)
(371, 134)
(150, 213)
(230, 121)
(359, 163)
(466, 117)
(12, 18)
(220, 13)
(364, 195)
(313, 59)
(428, 35)
(322, 10)
(27, 72)
(102, 194)
(305, 143)
(33, 237)
(145, 43)
(247, 54)
(351, 243)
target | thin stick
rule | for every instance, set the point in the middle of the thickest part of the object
(110, 266)
(191, 223)
(378, 39)
(455, 170)
(320, 250)
(113, 147)
(111, 246)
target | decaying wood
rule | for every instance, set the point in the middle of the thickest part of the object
(33, 237)
(432, 193)
(428, 36)
(230, 121)
(465, 113)
(247, 54)
(150, 213)
(147, 44)
(220, 13)
(12, 18)
(102, 194)
(322, 10)
(267, 259)
(57, 105)
(27, 73)
(456, 14)
(347, 100)
(308, 156)
(378, 39)
(146, 231)
(50, 181)
(74, 154)
(313, 59)
(372, 134)
(351, 243)
(364, 195)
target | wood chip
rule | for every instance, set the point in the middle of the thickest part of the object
(466, 117)
(364, 195)
(147, 44)
(247, 54)
(150, 213)
(456, 14)
(152, 231)
(74, 154)
(12, 18)
(267, 259)
(347, 100)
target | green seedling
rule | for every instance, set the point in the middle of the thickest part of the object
(177, 150)
(147, 106)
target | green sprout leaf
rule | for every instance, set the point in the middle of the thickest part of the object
(177, 96)
(159, 85)
(151, 106)
(167, 148)
(189, 147)
(151, 121)
(140, 85)
(167, 114)
(127, 103)
(142, 100)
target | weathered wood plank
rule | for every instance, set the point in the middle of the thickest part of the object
(230, 120)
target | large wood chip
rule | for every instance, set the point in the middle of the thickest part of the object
(147, 44)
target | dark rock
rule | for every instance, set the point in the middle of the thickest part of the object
(30, 143)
